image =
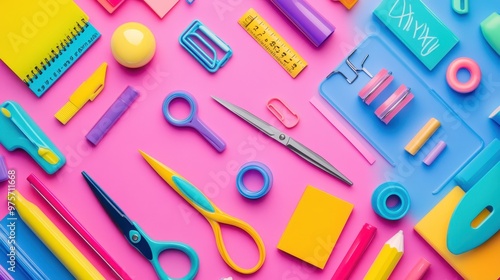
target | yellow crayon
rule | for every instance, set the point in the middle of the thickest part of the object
(422, 136)
(387, 258)
(55, 240)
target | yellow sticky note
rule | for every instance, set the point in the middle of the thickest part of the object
(315, 226)
(479, 263)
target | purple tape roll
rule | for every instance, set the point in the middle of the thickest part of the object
(112, 115)
(316, 28)
(434, 153)
(4, 173)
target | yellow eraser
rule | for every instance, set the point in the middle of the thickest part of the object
(315, 226)
(479, 263)
(422, 136)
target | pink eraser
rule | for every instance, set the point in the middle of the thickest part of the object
(394, 104)
(418, 270)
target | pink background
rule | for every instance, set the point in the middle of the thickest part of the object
(249, 79)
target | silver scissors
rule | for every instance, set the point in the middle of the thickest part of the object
(285, 140)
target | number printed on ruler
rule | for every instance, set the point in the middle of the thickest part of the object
(272, 42)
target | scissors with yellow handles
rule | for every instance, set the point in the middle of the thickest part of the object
(213, 214)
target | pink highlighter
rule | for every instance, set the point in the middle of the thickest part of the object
(64, 213)
(358, 248)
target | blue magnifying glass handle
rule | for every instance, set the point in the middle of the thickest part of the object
(192, 119)
(208, 134)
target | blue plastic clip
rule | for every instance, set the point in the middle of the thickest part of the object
(20, 131)
(198, 33)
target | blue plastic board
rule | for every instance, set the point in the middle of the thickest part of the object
(389, 140)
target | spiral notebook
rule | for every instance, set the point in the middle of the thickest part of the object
(40, 40)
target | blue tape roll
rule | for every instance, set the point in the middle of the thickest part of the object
(263, 170)
(382, 194)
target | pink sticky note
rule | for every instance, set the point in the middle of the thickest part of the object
(161, 7)
(110, 5)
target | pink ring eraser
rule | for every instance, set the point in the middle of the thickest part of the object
(394, 104)
(375, 86)
(471, 66)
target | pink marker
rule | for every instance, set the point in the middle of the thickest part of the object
(358, 248)
(64, 213)
(418, 270)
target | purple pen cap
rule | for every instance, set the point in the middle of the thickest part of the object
(4, 173)
(112, 115)
(308, 20)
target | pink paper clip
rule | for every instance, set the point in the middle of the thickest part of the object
(281, 111)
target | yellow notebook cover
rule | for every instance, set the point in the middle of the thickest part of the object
(481, 263)
(35, 36)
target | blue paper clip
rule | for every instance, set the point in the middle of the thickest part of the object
(19, 131)
(197, 33)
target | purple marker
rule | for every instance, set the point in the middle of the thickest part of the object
(4, 173)
(316, 28)
(434, 153)
(112, 115)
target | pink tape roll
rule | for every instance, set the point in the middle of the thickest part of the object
(471, 66)
(375, 86)
(394, 104)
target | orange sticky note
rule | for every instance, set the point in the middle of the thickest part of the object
(479, 263)
(315, 226)
(347, 3)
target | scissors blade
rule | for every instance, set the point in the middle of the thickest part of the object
(316, 160)
(250, 118)
(286, 140)
(112, 209)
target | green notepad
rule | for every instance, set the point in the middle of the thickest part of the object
(418, 28)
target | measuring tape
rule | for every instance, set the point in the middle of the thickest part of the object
(272, 42)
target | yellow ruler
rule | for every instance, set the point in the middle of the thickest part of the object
(272, 42)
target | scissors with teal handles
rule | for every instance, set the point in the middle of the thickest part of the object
(148, 247)
(214, 215)
(192, 120)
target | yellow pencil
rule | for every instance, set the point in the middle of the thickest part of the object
(387, 258)
(55, 240)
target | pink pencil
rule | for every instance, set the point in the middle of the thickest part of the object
(76, 226)
(355, 253)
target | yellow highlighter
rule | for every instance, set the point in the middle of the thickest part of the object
(422, 136)
(87, 91)
(387, 258)
(55, 240)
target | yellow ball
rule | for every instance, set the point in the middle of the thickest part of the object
(133, 45)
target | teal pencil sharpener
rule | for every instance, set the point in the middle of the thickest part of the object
(19, 131)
